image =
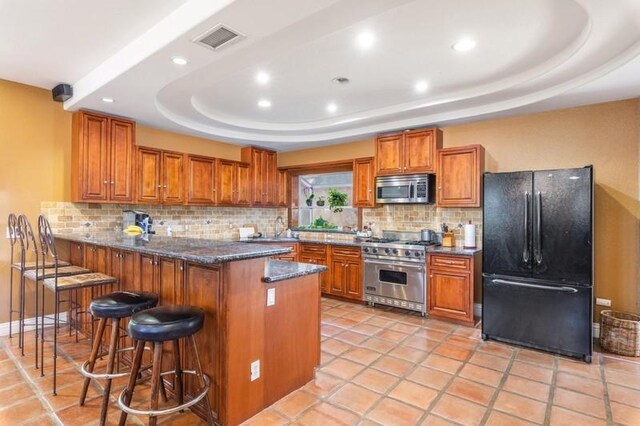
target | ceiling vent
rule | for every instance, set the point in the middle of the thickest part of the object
(218, 37)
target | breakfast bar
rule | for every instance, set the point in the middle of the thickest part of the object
(261, 335)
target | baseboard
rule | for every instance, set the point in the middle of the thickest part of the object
(4, 327)
(477, 309)
(596, 330)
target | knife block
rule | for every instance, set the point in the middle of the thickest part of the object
(448, 240)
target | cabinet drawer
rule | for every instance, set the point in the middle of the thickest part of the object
(313, 249)
(345, 251)
(450, 262)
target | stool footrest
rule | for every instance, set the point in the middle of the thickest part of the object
(85, 373)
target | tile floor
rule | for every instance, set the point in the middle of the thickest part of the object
(380, 367)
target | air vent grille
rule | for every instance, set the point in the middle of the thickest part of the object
(218, 36)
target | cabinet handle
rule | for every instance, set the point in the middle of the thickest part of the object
(105, 182)
(151, 261)
(181, 268)
(430, 276)
(113, 183)
(159, 186)
(439, 187)
(165, 186)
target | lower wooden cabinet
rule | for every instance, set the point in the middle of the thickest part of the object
(450, 286)
(345, 272)
(316, 254)
(291, 257)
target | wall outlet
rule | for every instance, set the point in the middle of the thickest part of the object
(255, 370)
(603, 302)
(271, 296)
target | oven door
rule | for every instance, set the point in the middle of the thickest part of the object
(397, 280)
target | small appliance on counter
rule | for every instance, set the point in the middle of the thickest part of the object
(448, 239)
(137, 218)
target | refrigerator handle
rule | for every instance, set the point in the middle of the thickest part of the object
(537, 250)
(526, 255)
(536, 286)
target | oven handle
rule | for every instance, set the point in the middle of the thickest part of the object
(395, 263)
(541, 287)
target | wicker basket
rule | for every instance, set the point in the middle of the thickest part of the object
(620, 333)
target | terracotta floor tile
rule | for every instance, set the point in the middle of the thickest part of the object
(414, 394)
(379, 322)
(327, 415)
(22, 411)
(580, 384)
(391, 365)
(526, 387)
(481, 375)
(351, 337)
(579, 402)
(408, 353)
(472, 391)
(392, 336)
(453, 351)
(442, 363)
(421, 343)
(355, 398)
(469, 332)
(44, 420)
(335, 347)
(10, 379)
(579, 368)
(366, 329)
(361, 355)
(359, 316)
(621, 365)
(430, 377)
(378, 345)
(496, 418)
(625, 414)
(344, 322)
(563, 417)
(490, 361)
(433, 420)
(534, 357)
(434, 335)
(532, 372)
(624, 395)
(330, 330)
(462, 341)
(323, 384)
(440, 326)
(389, 412)
(495, 348)
(459, 410)
(70, 395)
(342, 368)
(404, 328)
(375, 380)
(295, 403)
(520, 406)
(21, 390)
(623, 378)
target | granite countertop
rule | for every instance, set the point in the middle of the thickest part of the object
(190, 249)
(278, 270)
(453, 250)
(297, 240)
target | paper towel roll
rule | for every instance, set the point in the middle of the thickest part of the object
(470, 235)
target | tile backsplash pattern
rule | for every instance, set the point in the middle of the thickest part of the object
(185, 221)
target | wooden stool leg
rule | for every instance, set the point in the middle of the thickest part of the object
(92, 358)
(133, 377)
(178, 387)
(113, 347)
(196, 358)
(155, 380)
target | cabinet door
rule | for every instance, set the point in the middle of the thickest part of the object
(76, 254)
(201, 180)
(122, 134)
(172, 178)
(450, 295)
(353, 280)
(363, 183)
(148, 165)
(269, 197)
(324, 281)
(282, 188)
(257, 171)
(338, 276)
(389, 155)
(242, 185)
(420, 151)
(225, 181)
(169, 287)
(460, 176)
(147, 274)
(94, 157)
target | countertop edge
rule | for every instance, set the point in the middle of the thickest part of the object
(289, 270)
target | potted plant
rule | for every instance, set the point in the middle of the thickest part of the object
(337, 200)
(308, 192)
(320, 201)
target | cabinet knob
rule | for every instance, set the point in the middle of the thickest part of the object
(439, 187)
(151, 261)
(105, 182)
(165, 186)
(113, 183)
(430, 276)
(181, 268)
(159, 186)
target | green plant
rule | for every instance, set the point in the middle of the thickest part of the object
(337, 200)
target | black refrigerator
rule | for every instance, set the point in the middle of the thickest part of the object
(537, 244)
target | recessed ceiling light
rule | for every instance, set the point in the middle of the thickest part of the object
(264, 103)
(340, 80)
(365, 39)
(108, 100)
(331, 107)
(421, 86)
(464, 45)
(179, 60)
(262, 77)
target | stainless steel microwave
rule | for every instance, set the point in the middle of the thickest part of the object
(406, 189)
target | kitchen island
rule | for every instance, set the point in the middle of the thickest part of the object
(230, 281)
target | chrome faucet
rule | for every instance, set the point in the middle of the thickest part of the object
(279, 226)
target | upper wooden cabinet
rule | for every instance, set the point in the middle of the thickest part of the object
(160, 176)
(282, 188)
(459, 177)
(201, 180)
(263, 175)
(102, 158)
(364, 183)
(232, 183)
(409, 152)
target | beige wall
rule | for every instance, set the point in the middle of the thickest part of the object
(605, 135)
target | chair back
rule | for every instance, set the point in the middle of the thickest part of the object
(27, 237)
(47, 242)
(12, 224)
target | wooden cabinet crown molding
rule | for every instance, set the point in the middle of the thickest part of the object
(408, 152)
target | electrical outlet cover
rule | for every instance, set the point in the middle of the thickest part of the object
(271, 296)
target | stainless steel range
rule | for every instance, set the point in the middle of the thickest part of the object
(395, 270)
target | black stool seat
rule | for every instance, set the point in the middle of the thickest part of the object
(166, 323)
(122, 304)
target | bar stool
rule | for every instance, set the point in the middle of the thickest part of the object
(114, 307)
(159, 325)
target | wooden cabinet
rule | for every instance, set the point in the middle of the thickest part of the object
(263, 175)
(364, 183)
(291, 257)
(102, 154)
(201, 180)
(408, 152)
(283, 184)
(451, 287)
(160, 176)
(459, 177)
(345, 272)
(316, 254)
(232, 183)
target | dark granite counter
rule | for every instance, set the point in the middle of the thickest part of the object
(278, 270)
(453, 250)
(189, 249)
(351, 243)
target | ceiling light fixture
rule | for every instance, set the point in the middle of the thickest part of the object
(464, 45)
(365, 40)
(340, 80)
(264, 103)
(179, 60)
(332, 107)
(108, 100)
(262, 77)
(421, 86)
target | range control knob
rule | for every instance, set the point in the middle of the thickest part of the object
(395, 251)
(407, 253)
(374, 251)
(366, 249)
(387, 250)
(418, 254)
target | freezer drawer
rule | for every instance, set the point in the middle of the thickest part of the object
(550, 316)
